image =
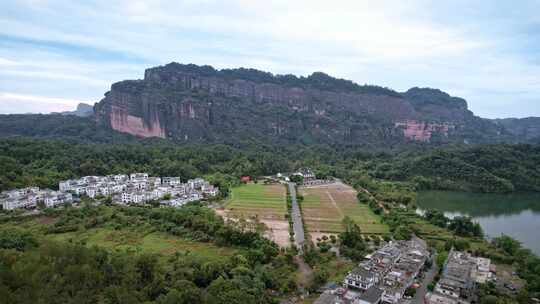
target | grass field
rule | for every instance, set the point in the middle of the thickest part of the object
(324, 208)
(262, 201)
(154, 242)
(267, 204)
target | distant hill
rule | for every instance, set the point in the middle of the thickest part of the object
(527, 129)
(82, 110)
(191, 103)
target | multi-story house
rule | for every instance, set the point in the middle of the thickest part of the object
(104, 190)
(119, 178)
(209, 189)
(138, 177)
(196, 183)
(80, 189)
(360, 278)
(91, 192)
(154, 181)
(68, 185)
(171, 181)
(53, 199)
(457, 280)
(127, 197)
(139, 185)
(394, 285)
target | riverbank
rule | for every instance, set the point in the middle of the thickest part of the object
(516, 214)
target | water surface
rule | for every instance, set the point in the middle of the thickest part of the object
(517, 214)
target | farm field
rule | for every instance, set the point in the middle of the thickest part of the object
(266, 203)
(325, 206)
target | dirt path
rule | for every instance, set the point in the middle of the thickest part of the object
(335, 204)
(305, 272)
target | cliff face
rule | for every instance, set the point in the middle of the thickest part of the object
(188, 102)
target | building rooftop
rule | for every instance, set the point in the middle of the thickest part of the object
(372, 295)
(433, 298)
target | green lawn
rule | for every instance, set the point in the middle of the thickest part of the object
(265, 201)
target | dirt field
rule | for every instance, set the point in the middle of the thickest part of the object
(265, 203)
(325, 206)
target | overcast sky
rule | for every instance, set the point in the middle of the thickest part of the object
(55, 54)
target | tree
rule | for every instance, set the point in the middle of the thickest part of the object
(436, 217)
(441, 259)
(297, 178)
(489, 299)
(464, 226)
(320, 275)
(13, 238)
(107, 200)
(507, 243)
(410, 292)
(185, 292)
(351, 242)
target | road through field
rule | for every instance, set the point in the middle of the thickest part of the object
(297, 220)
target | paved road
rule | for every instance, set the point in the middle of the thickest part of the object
(429, 276)
(298, 228)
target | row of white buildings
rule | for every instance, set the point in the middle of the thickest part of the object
(135, 188)
(32, 196)
(139, 188)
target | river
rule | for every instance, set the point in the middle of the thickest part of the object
(516, 215)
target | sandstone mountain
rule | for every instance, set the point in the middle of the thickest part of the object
(190, 103)
(200, 103)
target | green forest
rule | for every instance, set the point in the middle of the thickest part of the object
(494, 168)
(35, 267)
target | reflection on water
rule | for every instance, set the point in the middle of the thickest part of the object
(517, 215)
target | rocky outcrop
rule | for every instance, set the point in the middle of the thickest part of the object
(122, 121)
(423, 131)
(189, 102)
(82, 110)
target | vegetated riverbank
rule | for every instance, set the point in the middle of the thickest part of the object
(514, 214)
(443, 233)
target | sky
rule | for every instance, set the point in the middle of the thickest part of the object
(55, 54)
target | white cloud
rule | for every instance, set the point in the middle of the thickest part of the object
(399, 44)
(19, 103)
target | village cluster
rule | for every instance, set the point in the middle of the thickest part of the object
(385, 275)
(136, 188)
(460, 275)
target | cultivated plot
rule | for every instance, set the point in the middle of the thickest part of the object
(266, 203)
(324, 208)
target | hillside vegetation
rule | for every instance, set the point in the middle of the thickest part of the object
(492, 168)
(137, 255)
